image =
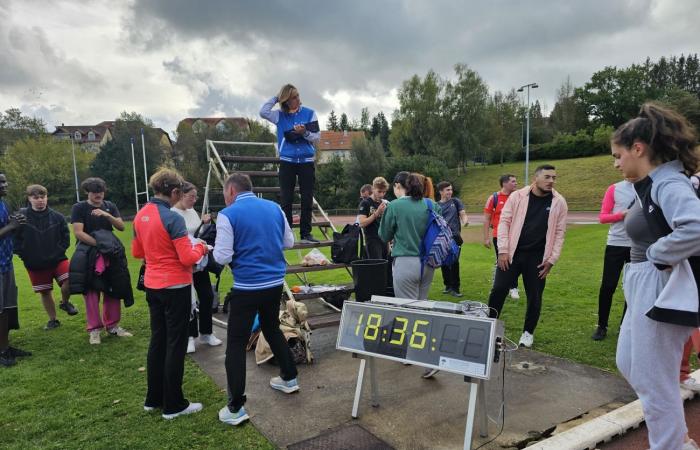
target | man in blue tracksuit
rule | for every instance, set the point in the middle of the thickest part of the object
(297, 131)
(251, 235)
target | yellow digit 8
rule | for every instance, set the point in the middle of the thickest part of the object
(372, 328)
(417, 334)
(400, 331)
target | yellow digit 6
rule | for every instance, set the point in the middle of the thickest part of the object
(400, 331)
(373, 326)
(417, 334)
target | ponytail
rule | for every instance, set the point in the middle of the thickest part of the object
(668, 134)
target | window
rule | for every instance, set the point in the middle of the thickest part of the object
(91, 135)
(222, 126)
(77, 136)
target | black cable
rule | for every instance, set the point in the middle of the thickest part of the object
(503, 405)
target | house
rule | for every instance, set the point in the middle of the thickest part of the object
(92, 137)
(336, 143)
(202, 124)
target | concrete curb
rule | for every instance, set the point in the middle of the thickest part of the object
(603, 428)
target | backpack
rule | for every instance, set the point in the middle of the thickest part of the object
(494, 201)
(345, 249)
(437, 247)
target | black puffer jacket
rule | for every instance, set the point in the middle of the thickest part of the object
(43, 240)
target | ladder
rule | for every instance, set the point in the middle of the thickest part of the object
(223, 159)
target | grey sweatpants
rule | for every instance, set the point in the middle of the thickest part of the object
(649, 356)
(408, 282)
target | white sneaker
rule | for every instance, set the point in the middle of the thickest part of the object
(119, 331)
(526, 340)
(210, 339)
(226, 416)
(95, 337)
(691, 384)
(285, 386)
(191, 409)
(190, 345)
(514, 294)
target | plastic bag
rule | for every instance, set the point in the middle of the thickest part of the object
(315, 258)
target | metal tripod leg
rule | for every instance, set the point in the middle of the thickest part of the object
(358, 388)
(471, 412)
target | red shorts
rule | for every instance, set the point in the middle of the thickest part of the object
(42, 280)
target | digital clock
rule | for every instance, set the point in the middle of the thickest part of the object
(456, 343)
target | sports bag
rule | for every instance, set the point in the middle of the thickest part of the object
(437, 247)
(345, 247)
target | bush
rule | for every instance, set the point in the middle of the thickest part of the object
(565, 145)
(426, 165)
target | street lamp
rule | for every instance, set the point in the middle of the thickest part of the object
(527, 138)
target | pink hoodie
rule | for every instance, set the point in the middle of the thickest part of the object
(513, 217)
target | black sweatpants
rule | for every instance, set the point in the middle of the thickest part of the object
(170, 313)
(495, 247)
(242, 309)
(288, 173)
(615, 259)
(205, 294)
(450, 275)
(525, 264)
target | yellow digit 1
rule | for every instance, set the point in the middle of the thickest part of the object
(372, 328)
(417, 334)
(400, 331)
(359, 324)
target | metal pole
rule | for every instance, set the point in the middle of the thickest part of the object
(145, 171)
(133, 166)
(75, 171)
(527, 141)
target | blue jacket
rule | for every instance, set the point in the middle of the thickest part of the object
(292, 147)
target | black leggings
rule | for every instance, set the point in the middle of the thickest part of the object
(615, 259)
(205, 294)
(306, 173)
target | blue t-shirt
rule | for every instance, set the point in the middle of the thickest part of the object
(6, 242)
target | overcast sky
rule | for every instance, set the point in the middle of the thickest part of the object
(80, 63)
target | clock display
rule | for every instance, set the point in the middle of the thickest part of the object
(451, 342)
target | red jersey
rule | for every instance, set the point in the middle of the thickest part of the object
(495, 210)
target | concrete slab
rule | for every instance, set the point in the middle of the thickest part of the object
(415, 413)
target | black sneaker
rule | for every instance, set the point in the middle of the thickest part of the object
(18, 352)
(600, 333)
(7, 359)
(447, 290)
(51, 324)
(429, 373)
(455, 293)
(309, 239)
(68, 307)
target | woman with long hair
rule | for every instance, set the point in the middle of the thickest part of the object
(658, 149)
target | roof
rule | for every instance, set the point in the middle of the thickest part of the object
(241, 122)
(100, 129)
(338, 140)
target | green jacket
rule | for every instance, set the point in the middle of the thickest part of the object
(404, 221)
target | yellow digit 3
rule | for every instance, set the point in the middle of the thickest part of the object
(400, 331)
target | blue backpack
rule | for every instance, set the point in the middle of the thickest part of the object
(437, 247)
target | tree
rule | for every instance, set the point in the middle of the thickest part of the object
(568, 115)
(344, 124)
(46, 161)
(364, 120)
(15, 126)
(367, 161)
(332, 124)
(331, 182)
(504, 125)
(384, 133)
(685, 103)
(375, 127)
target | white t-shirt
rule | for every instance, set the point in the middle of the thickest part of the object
(192, 220)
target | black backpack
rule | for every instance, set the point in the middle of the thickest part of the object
(346, 245)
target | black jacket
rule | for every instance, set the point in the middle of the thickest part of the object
(115, 281)
(43, 240)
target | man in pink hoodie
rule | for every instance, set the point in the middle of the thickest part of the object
(530, 237)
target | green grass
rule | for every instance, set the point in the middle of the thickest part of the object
(582, 181)
(74, 395)
(71, 394)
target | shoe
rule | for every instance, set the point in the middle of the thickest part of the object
(526, 340)
(51, 324)
(191, 409)
(285, 386)
(68, 307)
(691, 384)
(210, 339)
(119, 331)
(429, 373)
(599, 333)
(7, 359)
(514, 294)
(18, 352)
(690, 445)
(95, 337)
(226, 416)
(149, 408)
(309, 239)
(190, 345)
(455, 293)
(447, 290)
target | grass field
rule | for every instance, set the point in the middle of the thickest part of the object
(74, 395)
(582, 181)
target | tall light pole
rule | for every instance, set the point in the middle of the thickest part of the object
(75, 170)
(527, 132)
